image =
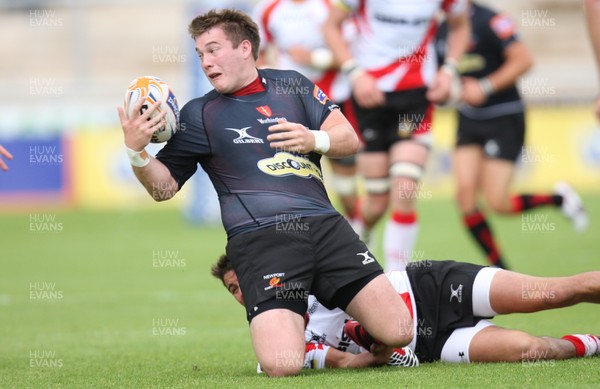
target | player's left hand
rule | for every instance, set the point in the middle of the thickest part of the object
(439, 90)
(291, 137)
(472, 93)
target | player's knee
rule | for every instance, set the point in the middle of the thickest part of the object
(283, 367)
(398, 336)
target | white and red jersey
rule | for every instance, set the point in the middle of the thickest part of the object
(327, 326)
(395, 39)
(288, 23)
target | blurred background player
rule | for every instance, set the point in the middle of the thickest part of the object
(7, 155)
(392, 67)
(291, 38)
(592, 13)
(491, 129)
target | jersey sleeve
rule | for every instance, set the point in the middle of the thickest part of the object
(317, 104)
(183, 152)
(502, 30)
(315, 356)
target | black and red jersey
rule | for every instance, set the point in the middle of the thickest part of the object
(491, 34)
(227, 135)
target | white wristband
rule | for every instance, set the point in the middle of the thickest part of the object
(351, 69)
(322, 142)
(321, 58)
(138, 158)
(486, 86)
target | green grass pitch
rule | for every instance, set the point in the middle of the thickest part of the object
(125, 300)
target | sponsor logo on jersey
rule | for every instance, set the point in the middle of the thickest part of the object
(284, 164)
(320, 95)
(367, 258)
(265, 110)
(274, 280)
(456, 292)
(244, 137)
(271, 120)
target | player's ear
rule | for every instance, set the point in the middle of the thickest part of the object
(246, 48)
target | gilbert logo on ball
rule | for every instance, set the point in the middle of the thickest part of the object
(152, 89)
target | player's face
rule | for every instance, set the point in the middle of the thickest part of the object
(233, 286)
(227, 68)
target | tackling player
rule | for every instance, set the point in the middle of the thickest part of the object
(450, 303)
(260, 135)
(491, 129)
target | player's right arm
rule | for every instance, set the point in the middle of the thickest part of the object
(138, 130)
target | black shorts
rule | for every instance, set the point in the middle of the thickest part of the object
(501, 137)
(278, 266)
(443, 293)
(404, 115)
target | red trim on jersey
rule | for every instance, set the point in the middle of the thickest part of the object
(406, 297)
(446, 4)
(404, 218)
(265, 20)
(362, 15)
(254, 87)
(413, 77)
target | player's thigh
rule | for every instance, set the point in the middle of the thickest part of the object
(381, 310)
(497, 344)
(278, 341)
(512, 292)
(496, 178)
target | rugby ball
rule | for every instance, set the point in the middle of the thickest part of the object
(152, 89)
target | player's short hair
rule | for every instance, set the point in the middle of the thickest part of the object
(222, 266)
(237, 26)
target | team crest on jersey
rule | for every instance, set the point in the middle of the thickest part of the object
(265, 110)
(320, 95)
(284, 164)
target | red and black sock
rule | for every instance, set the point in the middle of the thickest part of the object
(359, 335)
(524, 202)
(482, 234)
